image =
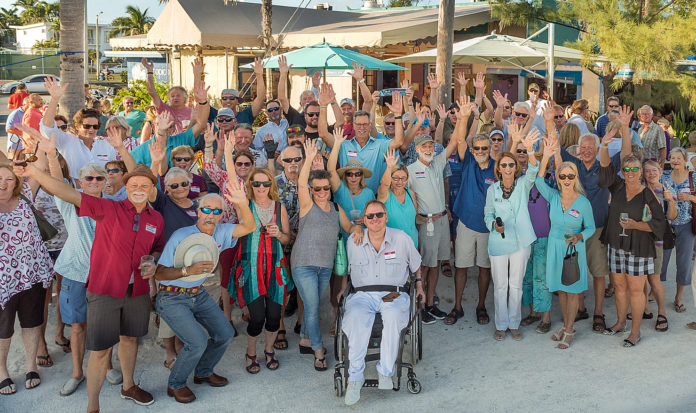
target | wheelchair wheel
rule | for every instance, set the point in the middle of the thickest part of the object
(413, 386)
(338, 385)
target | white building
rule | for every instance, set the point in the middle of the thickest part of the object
(104, 30)
(28, 35)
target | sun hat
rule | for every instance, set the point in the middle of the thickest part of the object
(354, 164)
(140, 170)
(196, 248)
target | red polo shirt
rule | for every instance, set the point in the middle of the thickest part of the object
(16, 99)
(117, 248)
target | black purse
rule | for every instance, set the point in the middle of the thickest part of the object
(669, 241)
(571, 269)
(47, 230)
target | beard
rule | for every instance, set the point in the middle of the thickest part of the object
(209, 221)
(428, 157)
(138, 197)
(481, 158)
(293, 168)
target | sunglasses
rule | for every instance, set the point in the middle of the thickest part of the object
(295, 129)
(63, 127)
(497, 139)
(225, 119)
(270, 110)
(321, 188)
(533, 91)
(92, 178)
(136, 222)
(508, 107)
(242, 164)
(312, 114)
(290, 160)
(257, 184)
(182, 159)
(402, 179)
(521, 151)
(216, 211)
(522, 115)
(354, 174)
(558, 117)
(631, 168)
(389, 123)
(113, 171)
(614, 106)
(453, 112)
(563, 177)
(376, 214)
(88, 126)
(183, 185)
(508, 165)
(228, 98)
(480, 148)
(26, 161)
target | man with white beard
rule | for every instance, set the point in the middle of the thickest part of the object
(425, 178)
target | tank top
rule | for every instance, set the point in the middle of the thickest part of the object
(315, 245)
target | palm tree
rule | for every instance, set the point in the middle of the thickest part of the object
(8, 17)
(137, 22)
(72, 65)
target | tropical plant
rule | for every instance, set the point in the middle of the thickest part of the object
(136, 22)
(138, 89)
(37, 11)
(45, 44)
(8, 17)
(682, 127)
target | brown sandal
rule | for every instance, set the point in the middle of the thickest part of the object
(253, 367)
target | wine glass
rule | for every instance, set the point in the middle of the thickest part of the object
(623, 217)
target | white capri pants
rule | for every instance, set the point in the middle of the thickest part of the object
(508, 307)
(359, 316)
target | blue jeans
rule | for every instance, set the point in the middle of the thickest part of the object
(183, 312)
(311, 283)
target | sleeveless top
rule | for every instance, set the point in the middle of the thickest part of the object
(402, 216)
(315, 244)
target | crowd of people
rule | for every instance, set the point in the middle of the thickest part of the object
(129, 213)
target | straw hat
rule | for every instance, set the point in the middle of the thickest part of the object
(354, 164)
(196, 248)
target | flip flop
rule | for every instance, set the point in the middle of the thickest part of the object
(281, 343)
(679, 308)
(65, 346)
(628, 343)
(32, 375)
(169, 363)
(47, 362)
(7, 383)
(482, 316)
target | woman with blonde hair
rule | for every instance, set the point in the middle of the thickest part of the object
(399, 200)
(569, 135)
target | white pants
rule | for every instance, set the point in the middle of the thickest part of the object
(507, 272)
(359, 316)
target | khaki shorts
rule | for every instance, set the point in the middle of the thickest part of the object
(436, 247)
(596, 252)
(471, 248)
(659, 255)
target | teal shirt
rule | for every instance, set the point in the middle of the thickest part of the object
(348, 203)
(141, 154)
(135, 119)
(402, 216)
(514, 212)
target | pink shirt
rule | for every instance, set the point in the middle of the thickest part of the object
(182, 117)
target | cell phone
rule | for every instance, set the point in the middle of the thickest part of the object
(390, 91)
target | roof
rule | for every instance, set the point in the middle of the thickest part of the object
(138, 41)
(212, 24)
(32, 26)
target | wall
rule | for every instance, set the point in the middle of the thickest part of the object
(27, 38)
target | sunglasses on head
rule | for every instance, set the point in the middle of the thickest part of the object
(182, 158)
(521, 151)
(216, 211)
(113, 171)
(480, 148)
(273, 109)
(321, 188)
(225, 118)
(376, 214)
(355, 174)
(92, 178)
(228, 98)
(312, 114)
(257, 184)
(183, 185)
(63, 127)
(242, 164)
(522, 115)
(563, 177)
(507, 165)
(290, 160)
(631, 168)
(294, 129)
(87, 126)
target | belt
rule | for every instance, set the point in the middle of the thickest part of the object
(379, 288)
(439, 214)
(173, 289)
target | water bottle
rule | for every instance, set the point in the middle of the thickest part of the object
(430, 227)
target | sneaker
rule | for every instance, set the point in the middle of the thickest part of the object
(138, 395)
(436, 300)
(114, 376)
(543, 327)
(385, 382)
(426, 318)
(353, 392)
(436, 312)
(529, 320)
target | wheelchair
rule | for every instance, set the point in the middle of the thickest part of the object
(411, 336)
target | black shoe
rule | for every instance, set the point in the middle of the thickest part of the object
(291, 306)
(436, 312)
(582, 315)
(426, 318)
(436, 300)
(298, 327)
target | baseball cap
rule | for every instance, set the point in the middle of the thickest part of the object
(227, 92)
(421, 139)
(226, 112)
(348, 101)
(533, 86)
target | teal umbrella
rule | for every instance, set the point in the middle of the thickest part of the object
(327, 56)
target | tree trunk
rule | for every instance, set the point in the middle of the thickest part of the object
(267, 34)
(445, 40)
(72, 59)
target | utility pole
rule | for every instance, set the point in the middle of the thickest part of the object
(267, 34)
(445, 40)
(96, 41)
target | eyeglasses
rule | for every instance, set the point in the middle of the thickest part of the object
(631, 168)
(563, 177)
(113, 171)
(228, 98)
(294, 129)
(480, 148)
(312, 114)
(389, 123)
(356, 174)
(291, 160)
(216, 211)
(508, 165)
(92, 178)
(273, 109)
(508, 107)
(257, 184)
(136, 222)
(242, 164)
(63, 127)
(376, 214)
(402, 179)
(321, 188)
(614, 106)
(87, 126)
(225, 118)
(558, 117)
(361, 124)
(522, 115)
(521, 151)
(182, 158)
(497, 139)
(183, 185)
(453, 112)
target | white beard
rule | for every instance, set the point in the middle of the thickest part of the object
(138, 197)
(427, 158)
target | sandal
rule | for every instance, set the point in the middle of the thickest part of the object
(253, 367)
(516, 334)
(646, 316)
(691, 325)
(558, 335)
(598, 323)
(529, 320)
(271, 364)
(7, 384)
(65, 346)
(280, 343)
(661, 325)
(169, 363)
(543, 327)
(446, 269)
(499, 335)
(564, 342)
(32, 375)
(609, 291)
(482, 315)
(679, 308)
(629, 343)
(453, 316)
(582, 315)
(44, 361)
(321, 361)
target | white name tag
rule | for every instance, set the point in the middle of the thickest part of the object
(151, 228)
(685, 190)
(489, 181)
(195, 189)
(192, 213)
(420, 174)
(352, 154)
(389, 255)
(574, 213)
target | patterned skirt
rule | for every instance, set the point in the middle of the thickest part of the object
(623, 262)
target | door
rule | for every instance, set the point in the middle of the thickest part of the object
(506, 84)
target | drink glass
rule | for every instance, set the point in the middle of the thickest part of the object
(147, 263)
(355, 216)
(623, 217)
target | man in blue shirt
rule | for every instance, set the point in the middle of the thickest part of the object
(186, 306)
(600, 127)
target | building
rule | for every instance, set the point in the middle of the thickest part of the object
(27, 36)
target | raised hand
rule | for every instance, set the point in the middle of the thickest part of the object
(607, 139)
(397, 105)
(442, 111)
(316, 79)
(209, 134)
(53, 88)
(548, 113)
(198, 68)
(235, 193)
(165, 120)
(258, 66)
(115, 136)
(462, 80)
(158, 150)
(358, 70)
(611, 133)
(269, 145)
(465, 107)
(432, 81)
(283, 65)
(311, 148)
(499, 98)
(391, 158)
(48, 145)
(200, 92)
(230, 142)
(625, 115)
(531, 138)
(515, 132)
(550, 147)
(480, 81)
(375, 97)
(338, 137)
(409, 91)
(421, 115)
(326, 94)
(148, 64)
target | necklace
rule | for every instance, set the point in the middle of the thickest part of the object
(507, 191)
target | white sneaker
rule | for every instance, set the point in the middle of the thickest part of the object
(353, 392)
(114, 376)
(385, 382)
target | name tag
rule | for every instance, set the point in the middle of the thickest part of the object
(574, 213)
(389, 255)
(103, 157)
(191, 213)
(685, 190)
(452, 160)
(195, 189)
(151, 228)
(489, 181)
(352, 154)
(420, 174)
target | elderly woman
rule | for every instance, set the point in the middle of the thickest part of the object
(572, 223)
(182, 157)
(580, 111)
(507, 215)
(312, 258)
(115, 188)
(399, 200)
(120, 122)
(26, 271)
(261, 279)
(682, 181)
(635, 222)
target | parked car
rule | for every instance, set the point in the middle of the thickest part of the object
(35, 84)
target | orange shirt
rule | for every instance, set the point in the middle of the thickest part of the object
(16, 99)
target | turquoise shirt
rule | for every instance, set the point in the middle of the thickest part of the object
(349, 203)
(371, 155)
(514, 212)
(402, 216)
(135, 119)
(141, 154)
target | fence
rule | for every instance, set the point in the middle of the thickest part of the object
(14, 66)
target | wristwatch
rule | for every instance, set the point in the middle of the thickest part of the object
(183, 271)
(418, 279)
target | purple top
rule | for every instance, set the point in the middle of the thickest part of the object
(539, 213)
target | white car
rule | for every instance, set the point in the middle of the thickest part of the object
(35, 84)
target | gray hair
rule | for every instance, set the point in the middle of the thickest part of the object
(244, 126)
(594, 137)
(291, 147)
(646, 107)
(210, 195)
(482, 137)
(522, 105)
(92, 167)
(122, 122)
(307, 92)
(362, 113)
(174, 172)
(682, 151)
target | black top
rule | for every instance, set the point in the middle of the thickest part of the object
(294, 117)
(638, 243)
(174, 216)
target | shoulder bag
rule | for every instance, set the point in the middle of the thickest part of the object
(341, 259)
(571, 269)
(47, 230)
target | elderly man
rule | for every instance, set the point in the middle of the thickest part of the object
(522, 114)
(186, 306)
(613, 103)
(118, 303)
(134, 117)
(17, 98)
(275, 127)
(652, 136)
(388, 255)
(176, 97)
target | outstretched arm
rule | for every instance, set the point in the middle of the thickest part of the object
(51, 185)
(326, 96)
(257, 103)
(359, 76)
(282, 83)
(200, 93)
(56, 91)
(333, 159)
(151, 91)
(303, 195)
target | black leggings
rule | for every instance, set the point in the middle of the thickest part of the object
(262, 310)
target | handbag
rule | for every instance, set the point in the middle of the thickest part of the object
(341, 260)
(47, 230)
(669, 240)
(571, 269)
(693, 204)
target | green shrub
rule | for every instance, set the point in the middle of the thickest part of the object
(138, 90)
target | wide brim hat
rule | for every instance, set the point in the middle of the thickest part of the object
(196, 248)
(354, 164)
(140, 170)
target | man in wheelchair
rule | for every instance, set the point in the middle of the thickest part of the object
(379, 270)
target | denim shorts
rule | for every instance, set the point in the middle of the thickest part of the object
(73, 305)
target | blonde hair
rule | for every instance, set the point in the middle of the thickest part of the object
(121, 121)
(272, 191)
(577, 187)
(181, 149)
(569, 135)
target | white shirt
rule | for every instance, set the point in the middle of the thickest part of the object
(76, 153)
(579, 121)
(278, 131)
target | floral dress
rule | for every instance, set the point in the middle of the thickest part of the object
(24, 259)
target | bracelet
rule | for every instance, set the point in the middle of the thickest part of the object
(361, 80)
(150, 73)
(323, 107)
(183, 271)
(603, 146)
(398, 117)
(418, 279)
(52, 159)
(203, 103)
